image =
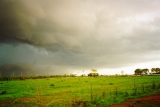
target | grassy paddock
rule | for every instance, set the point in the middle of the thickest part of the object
(78, 91)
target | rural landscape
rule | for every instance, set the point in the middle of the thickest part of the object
(73, 91)
(79, 53)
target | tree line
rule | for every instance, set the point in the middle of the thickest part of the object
(146, 71)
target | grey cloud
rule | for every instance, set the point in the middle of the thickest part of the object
(17, 70)
(146, 37)
(14, 70)
(78, 33)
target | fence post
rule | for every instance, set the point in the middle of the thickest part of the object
(91, 93)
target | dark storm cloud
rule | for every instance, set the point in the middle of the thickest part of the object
(28, 23)
(11, 19)
(11, 70)
(81, 33)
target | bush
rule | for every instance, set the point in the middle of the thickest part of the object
(110, 83)
(126, 94)
(153, 85)
(158, 86)
(52, 85)
(3, 92)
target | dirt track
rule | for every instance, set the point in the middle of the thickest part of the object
(148, 101)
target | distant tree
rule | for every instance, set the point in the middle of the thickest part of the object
(72, 75)
(145, 71)
(155, 70)
(141, 71)
(93, 73)
(138, 72)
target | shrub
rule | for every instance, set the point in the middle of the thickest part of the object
(110, 83)
(3, 92)
(126, 94)
(52, 85)
(153, 85)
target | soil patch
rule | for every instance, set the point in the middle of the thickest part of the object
(147, 101)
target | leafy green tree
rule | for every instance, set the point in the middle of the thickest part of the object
(141, 71)
(138, 72)
(155, 70)
(93, 73)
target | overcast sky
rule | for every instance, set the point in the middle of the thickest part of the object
(67, 35)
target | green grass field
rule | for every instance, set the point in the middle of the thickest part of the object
(77, 91)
